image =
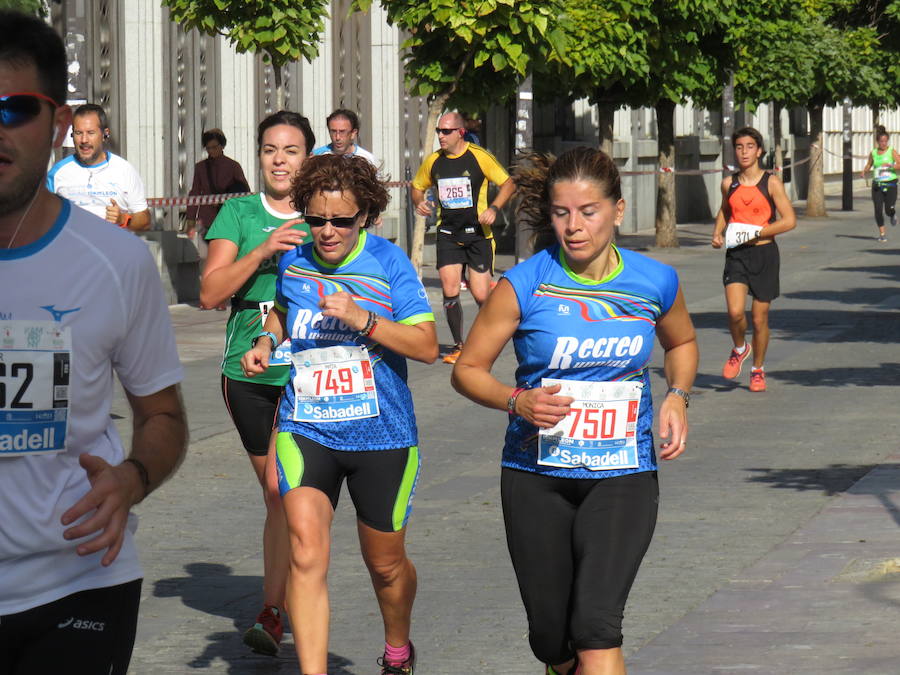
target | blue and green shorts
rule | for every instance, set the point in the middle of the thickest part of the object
(381, 482)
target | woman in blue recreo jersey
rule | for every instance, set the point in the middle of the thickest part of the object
(354, 310)
(578, 484)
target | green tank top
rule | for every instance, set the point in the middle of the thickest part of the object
(883, 166)
(247, 222)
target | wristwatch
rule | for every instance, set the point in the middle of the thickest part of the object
(682, 393)
(267, 334)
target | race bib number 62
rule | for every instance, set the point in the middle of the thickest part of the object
(34, 387)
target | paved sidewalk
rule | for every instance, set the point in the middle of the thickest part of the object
(777, 548)
(826, 600)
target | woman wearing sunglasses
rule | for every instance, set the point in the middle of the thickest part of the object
(356, 311)
(245, 240)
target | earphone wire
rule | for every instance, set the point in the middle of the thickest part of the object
(22, 219)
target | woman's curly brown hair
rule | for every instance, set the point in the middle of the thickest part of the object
(536, 173)
(338, 173)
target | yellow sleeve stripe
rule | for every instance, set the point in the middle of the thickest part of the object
(417, 318)
(492, 169)
(422, 181)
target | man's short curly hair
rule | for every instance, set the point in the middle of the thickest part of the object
(341, 173)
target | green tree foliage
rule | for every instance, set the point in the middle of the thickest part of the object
(811, 54)
(283, 31)
(34, 7)
(655, 53)
(471, 54)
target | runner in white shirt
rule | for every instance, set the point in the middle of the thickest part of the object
(87, 303)
(96, 179)
(343, 128)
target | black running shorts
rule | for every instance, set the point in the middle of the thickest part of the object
(85, 633)
(477, 254)
(757, 267)
(254, 409)
(576, 546)
(381, 483)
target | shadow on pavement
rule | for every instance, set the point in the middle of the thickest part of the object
(886, 272)
(211, 588)
(858, 297)
(884, 375)
(819, 325)
(830, 480)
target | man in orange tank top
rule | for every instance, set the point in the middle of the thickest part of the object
(755, 208)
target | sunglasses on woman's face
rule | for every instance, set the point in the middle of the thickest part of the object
(19, 109)
(319, 221)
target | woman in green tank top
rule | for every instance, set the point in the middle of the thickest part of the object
(883, 162)
(245, 240)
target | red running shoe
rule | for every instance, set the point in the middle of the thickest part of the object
(265, 635)
(732, 367)
(757, 380)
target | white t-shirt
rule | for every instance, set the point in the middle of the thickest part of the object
(97, 289)
(92, 187)
(358, 151)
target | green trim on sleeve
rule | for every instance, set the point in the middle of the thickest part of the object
(417, 319)
(281, 309)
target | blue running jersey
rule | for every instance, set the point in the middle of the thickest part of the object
(380, 278)
(579, 329)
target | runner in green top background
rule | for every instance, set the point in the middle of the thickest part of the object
(245, 241)
(883, 162)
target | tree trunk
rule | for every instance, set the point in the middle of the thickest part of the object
(815, 196)
(606, 112)
(279, 91)
(435, 108)
(776, 140)
(666, 235)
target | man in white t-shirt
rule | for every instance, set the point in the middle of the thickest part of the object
(343, 128)
(79, 303)
(95, 178)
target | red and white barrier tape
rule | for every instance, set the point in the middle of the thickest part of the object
(211, 200)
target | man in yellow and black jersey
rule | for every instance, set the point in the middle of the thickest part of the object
(460, 171)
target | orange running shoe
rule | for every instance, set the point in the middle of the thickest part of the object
(757, 380)
(452, 356)
(732, 367)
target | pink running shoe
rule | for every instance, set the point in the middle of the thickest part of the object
(732, 367)
(757, 380)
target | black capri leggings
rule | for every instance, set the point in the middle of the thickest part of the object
(576, 546)
(884, 196)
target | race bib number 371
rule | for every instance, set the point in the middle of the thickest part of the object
(34, 387)
(600, 431)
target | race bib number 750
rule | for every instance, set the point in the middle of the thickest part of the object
(600, 431)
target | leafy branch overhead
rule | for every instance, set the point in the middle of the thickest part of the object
(475, 51)
(283, 31)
